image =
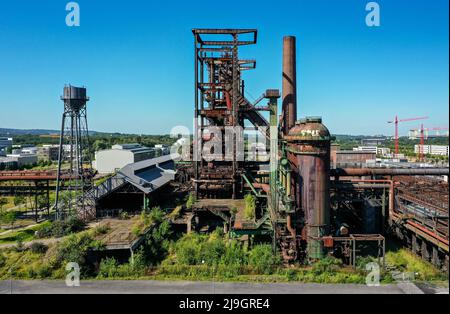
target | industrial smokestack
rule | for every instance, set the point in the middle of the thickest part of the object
(289, 83)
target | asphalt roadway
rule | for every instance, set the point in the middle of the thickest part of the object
(185, 287)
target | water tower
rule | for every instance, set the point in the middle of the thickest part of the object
(75, 173)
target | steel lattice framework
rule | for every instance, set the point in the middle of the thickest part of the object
(220, 103)
(74, 154)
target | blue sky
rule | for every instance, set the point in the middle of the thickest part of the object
(136, 59)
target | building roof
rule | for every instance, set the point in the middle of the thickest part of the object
(151, 174)
(134, 148)
(354, 152)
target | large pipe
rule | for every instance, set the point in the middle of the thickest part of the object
(343, 172)
(289, 83)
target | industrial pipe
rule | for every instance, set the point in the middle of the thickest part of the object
(354, 172)
(289, 83)
(289, 226)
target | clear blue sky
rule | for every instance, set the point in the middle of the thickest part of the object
(136, 59)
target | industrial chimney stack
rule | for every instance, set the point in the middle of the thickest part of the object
(289, 83)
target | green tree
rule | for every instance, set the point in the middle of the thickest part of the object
(3, 202)
(262, 259)
(19, 200)
(8, 218)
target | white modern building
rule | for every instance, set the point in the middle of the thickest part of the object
(383, 151)
(367, 149)
(441, 150)
(114, 159)
(162, 150)
(5, 143)
(48, 152)
(20, 159)
(25, 151)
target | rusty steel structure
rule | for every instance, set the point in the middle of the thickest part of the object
(35, 184)
(306, 208)
(289, 84)
(74, 149)
(308, 151)
(39, 175)
(220, 105)
(420, 217)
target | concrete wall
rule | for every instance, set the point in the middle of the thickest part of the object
(111, 160)
(349, 157)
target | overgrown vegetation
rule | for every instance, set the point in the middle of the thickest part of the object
(250, 206)
(61, 228)
(146, 219)
(205, 256)
(24, 235)
(110, 268)
(165, 255)
(38, 248)
(190, 200)
(406, 261)
(40, 261)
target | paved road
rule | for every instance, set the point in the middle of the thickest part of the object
(183, 287)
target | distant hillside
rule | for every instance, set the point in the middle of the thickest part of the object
(15, 132)
(357, 137)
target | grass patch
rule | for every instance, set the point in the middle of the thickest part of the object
(405, 261)
(22, 235)
(48, 262)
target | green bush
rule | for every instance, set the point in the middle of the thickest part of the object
(234, 255)
(327, 265)
(228, 256)
(19, 246)
(38, 248)
(157, 243)
(76, 249)
(250, 206)
(146, 219)
(190, 201)
(124, 215)
(262, 259)
(43, 271)
(101, 230)
(198, 249)
(61, 228)
(2, 260)
(110, 268)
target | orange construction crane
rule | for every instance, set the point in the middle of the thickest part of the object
(396, 122)
(422, 132)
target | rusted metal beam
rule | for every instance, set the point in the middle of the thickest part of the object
(355, 172)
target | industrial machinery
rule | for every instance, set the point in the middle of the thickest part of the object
(220, 110)
(312, 211)
(74, 153)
